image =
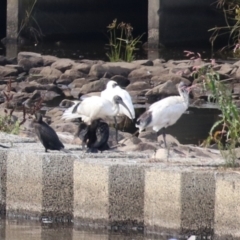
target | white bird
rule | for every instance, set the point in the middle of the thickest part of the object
(94, 107)
(165, 112)
(113, 89)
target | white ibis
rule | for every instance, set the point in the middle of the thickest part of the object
(95, 135)
(47, 135)
(165, 112)
(95, 107)
(113, 89)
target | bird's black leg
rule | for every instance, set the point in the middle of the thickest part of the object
(116, 127)
(46, 150)
(164, 137)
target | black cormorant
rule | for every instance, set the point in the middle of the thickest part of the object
(95, 135)
(47, 135)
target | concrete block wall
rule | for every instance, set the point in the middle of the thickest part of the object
(119, 191)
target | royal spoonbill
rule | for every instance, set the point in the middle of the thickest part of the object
(95, 136)
(47, 135)
(165, 112)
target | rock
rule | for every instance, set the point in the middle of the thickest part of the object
(63, 64)
(158, 62)
(170, 140)
(140, 73)
(35, 70)
(82, 67)
(76, 93)
(47, 71)
(226, 68)
(166, 89)
(77, 83)
(28, 60)
(144, 62)
(3, 60)
(119, 68)
(48, 60)
(121, 80)
(70, 75)
(156, 80)
(8, 71)
(138, 86)
(149, 135)
(95, 86)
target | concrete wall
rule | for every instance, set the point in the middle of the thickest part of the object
(120, 190)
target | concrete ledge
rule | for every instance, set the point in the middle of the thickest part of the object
(120, 189)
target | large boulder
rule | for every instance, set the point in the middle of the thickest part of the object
(8, 71)
(28, 60)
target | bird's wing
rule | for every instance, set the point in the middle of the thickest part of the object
(48, 136)
(72, 112)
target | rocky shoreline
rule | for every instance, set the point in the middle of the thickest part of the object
(34, 76)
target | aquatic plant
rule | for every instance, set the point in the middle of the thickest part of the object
(122, 45)
(28, 22)
(231, 10)
(226, 130)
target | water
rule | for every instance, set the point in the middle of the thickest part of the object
(34, 230)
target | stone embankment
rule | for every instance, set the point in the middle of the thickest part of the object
(178, 193)
(184, 189)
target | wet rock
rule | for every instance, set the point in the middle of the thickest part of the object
(140, 73)
(50, 74)
(28, 60)
(8, 71)
(48, 60)
(70, 75)
(120, 68)
(63, 64)
(76, 93)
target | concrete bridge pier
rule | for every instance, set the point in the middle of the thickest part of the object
(153, 28)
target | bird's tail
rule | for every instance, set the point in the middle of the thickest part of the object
(71, 113)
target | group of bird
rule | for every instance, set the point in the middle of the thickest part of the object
(113, 101)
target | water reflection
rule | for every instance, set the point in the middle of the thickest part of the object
(34, 230)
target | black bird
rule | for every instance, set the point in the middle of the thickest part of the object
(95, 135)
(47, 135)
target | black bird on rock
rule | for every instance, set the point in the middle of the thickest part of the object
(95, 135)
(47, 135)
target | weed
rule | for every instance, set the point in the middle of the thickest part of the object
(27, 23)
(231, 12)
(226, 131)
(121, 42)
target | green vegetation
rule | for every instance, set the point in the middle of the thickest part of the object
(28, 22)
(226, 131)
(231, 10)
(121, 42)
(9, 126)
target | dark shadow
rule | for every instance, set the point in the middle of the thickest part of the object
(3, 17)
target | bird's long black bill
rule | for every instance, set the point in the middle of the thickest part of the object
(116, 127)
(126, 108)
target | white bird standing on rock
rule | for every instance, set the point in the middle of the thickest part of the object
(165, 112)
(113, 89)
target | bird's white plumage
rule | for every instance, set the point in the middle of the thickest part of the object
(91, 108)
(113, 89)
(164, 113)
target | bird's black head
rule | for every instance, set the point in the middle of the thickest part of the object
(118, 100)
(182, 86)
(38, 117)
